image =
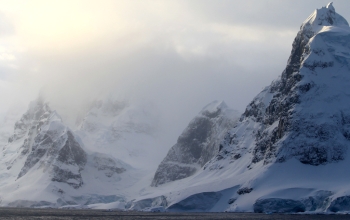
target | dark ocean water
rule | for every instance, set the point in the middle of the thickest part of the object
(18, 213)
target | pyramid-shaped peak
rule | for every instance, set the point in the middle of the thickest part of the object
(325, 16)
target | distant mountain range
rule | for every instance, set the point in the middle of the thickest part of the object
(288, 152)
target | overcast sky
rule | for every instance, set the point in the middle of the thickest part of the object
(180, 55)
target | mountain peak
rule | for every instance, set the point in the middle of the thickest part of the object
(325, 16)
(330, 6)
(197, 144)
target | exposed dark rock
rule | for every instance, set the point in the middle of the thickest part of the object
(232, 200)
(71, 153)
(197, 144)
(315, 64)
(168, 172)
(244, 190)
(107, 164)
(66, 176)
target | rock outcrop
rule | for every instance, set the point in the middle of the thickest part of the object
(197, 144)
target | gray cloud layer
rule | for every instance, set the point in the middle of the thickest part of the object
(179, 55)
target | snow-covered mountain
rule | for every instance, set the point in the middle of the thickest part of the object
(197, 144)
(289, 150)
(45, 163)
(122, 129)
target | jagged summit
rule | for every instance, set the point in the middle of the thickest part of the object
(326, 16)
(330, 6)
(38, 112)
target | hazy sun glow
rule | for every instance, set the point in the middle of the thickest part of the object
(55, 24)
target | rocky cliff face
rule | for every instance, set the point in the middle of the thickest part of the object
(26, 129)
(29, 124)
(197, 144)
(48, 145)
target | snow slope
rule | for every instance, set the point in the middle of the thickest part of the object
(289, 150)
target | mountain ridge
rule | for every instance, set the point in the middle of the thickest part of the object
(52, 160)
(288, 152)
